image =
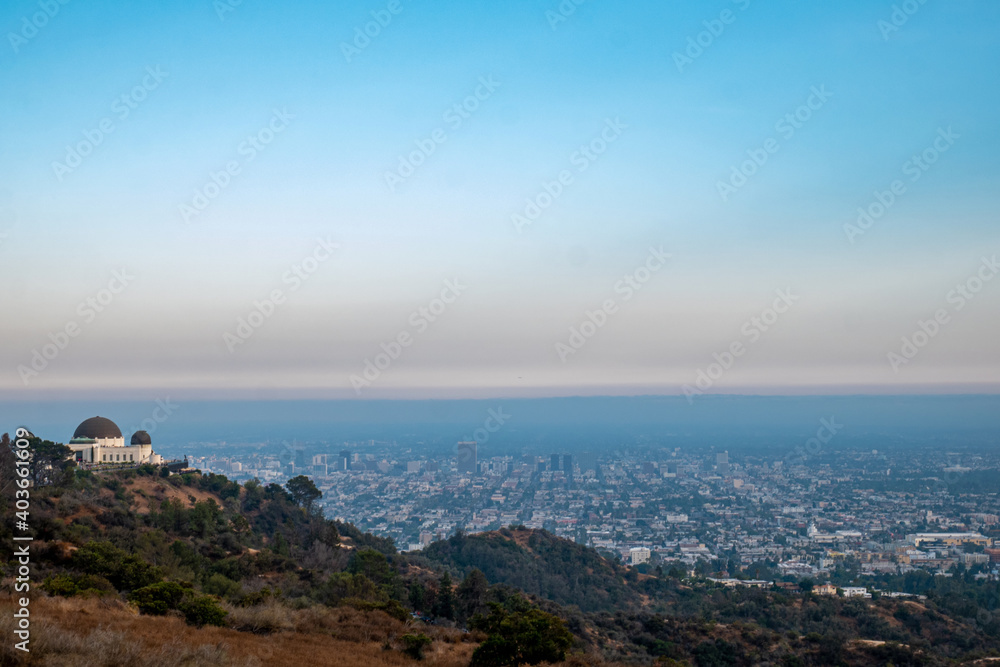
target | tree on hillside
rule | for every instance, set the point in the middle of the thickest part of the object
(520, 634)
(50, 461)
(444, 606)
(471, 595)
(303, 491)
(7, 462)
(372, 564)
(418, 596)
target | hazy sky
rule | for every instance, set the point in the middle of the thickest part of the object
(203, 149)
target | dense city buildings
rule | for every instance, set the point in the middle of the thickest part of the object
(866, 513)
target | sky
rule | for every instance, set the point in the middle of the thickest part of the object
(248, 199)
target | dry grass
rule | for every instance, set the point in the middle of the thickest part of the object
(90, 633)
(147, 489)
(263, 619)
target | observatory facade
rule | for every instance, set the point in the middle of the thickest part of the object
(99, 440)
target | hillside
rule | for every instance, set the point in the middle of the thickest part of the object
(196, 569)
(92, 631)
(541, 564)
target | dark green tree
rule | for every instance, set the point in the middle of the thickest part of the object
(50, 462)
(373, 565)
(280, 545)
(520, 634)
(471, 595)
(303, 491)
(444, 606)
(418, 596)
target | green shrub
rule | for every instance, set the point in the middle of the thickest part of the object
(123, 570)
(87, 584)
(414, 645)
(60, 584)
(68, 585)
(203, 610)
(221, 585)
(157, 599)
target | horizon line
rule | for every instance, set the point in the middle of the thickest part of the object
(492, 393)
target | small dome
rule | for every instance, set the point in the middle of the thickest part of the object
(98, 428)
(141, 438)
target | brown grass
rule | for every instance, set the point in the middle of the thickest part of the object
(90, 633)
(146, 489)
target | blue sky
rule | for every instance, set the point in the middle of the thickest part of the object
(557, 86)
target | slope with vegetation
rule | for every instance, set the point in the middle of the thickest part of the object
(134, 567)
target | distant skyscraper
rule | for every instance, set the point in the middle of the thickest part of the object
(467, 457)
(722, 463)
(344, 460)
(554, 462)
(567, 463)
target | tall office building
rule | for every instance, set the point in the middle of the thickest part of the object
(567, 464)
(588, 462)
(467, 457)
(554, 462)
(722, 463)
(344, 460)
